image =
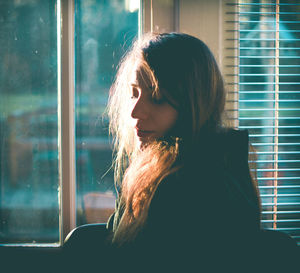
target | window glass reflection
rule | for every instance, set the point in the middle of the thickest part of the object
(104, 31)
(29, 211)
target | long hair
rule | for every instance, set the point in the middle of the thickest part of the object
(182, 69)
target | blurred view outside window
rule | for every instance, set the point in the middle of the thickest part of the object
(29, 173)
(269, 105)
(103, 32)
(28, 122)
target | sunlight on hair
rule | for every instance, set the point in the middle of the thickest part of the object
(141, 180)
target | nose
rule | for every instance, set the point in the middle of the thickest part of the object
(140, 109)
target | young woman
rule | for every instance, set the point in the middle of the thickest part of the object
(186, 197)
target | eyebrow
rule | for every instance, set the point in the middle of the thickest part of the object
(134, 84)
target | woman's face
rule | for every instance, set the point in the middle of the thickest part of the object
(152, 116)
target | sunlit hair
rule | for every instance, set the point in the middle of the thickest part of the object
(140, 182)
(183, 71)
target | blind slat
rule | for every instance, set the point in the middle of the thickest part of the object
(273, 161)
(262, 40)
(270, 118)
(261, 4)
(281, 178)
(261, 30)
(261, 75)
(263, 83)
(280, 195)
(262, 48)
(279, 152)
(261, 22)
(264, 65)
(264, 57)
(263, 109)
(276, 170)
(280, 187)
(281, 212)
(281, 204)
(262, 13)
(282, 221)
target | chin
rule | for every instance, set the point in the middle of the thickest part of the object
(143, 143)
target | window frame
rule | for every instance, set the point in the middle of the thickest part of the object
(66, 115)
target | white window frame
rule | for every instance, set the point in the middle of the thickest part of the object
(66, 116)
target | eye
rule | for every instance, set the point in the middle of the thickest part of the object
(134, 92)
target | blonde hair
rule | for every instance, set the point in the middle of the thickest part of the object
(183, 70)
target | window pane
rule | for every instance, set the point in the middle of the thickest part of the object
(28, 123)
(104, 30)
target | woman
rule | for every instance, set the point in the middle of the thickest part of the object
(186, 197)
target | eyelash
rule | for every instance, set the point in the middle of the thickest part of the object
(134, 93)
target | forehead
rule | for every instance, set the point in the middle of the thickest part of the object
(140, 77)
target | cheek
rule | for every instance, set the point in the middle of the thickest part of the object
(174, 118)
(168, 119)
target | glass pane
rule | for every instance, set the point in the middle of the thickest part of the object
(29, 211)
(104, 30)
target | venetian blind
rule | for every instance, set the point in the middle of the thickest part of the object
(262, 73)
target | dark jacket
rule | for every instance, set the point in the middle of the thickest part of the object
(205, 217)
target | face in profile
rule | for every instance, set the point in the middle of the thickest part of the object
(152, 116)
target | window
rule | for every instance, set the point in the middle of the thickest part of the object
(264, 96)
(40, 201)
(29, 182)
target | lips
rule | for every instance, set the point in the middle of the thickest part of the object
(143, 133)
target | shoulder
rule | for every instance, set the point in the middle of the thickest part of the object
(212, 143)
(233, 138)
(233, 146)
